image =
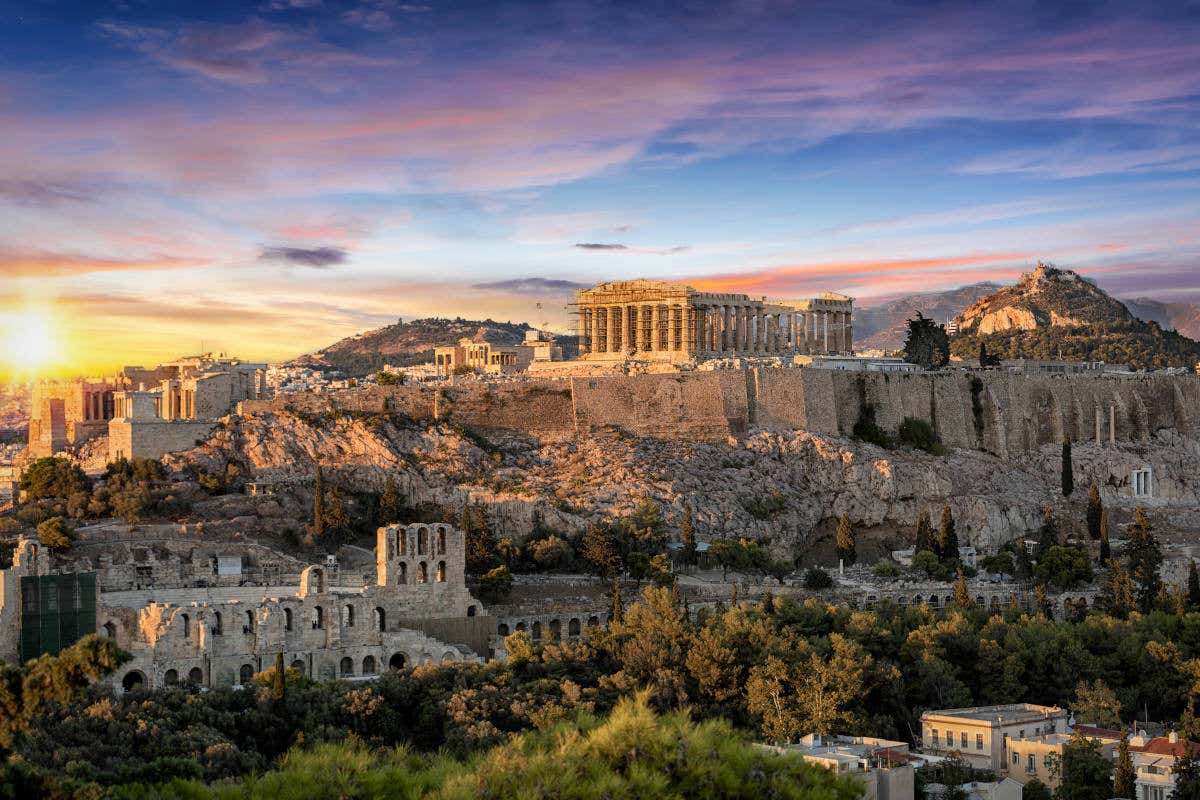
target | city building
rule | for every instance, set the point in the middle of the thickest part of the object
(1003, 789)
(882, 767)
(1154, 763)
(858, 363)
(981, 735)
(660, 321)
(1040, 757)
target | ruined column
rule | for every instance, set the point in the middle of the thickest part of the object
(825, 326)
(1112, 423)
(850, 331)
(1099, 438)
(655, 326)
(610, 329)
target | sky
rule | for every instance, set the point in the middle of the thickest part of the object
(265, 178)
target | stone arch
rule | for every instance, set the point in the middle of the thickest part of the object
(441, 542)
(318, 618)
(346, 667)
(196, 676)
(441, 572)
(312, 581)
(249, 622)
(472, 611)
(245, 674)
(422, 572)
(380, 619)
(186, 622)
(171, 677)
(134, 679)
(502, 629)
(449, 657)
(555, 629)
(422, 540)
(287, 619)
(110, 629)
(403, 572)
(348, 615)
(521, 626)
(397, 662)
(218, 627)
(537, 630)
(573, 627)
(368, 665)
(594, 621)
(299, 665)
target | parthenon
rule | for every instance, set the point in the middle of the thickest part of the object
(660, 321)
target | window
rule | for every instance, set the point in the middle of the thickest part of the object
(217, 627)
(287, 619)
(1141, 480)
(1016, 758)
(1031, 765)
(963, 740)
(349, 616)
(949, 738)
(979, 741)
(187, 627)
(318, 618)
(1022, 736)
(933, 736)
(441, 572)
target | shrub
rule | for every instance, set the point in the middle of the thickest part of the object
(918, 433)
(868, 430)
(56, 534)
(816, 579)
(495, 585)
(886, 569)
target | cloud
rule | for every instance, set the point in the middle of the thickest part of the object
(600, 246)
(315, 257)
(45, 264)
(45, 192)
(641, 251)
(534, 286)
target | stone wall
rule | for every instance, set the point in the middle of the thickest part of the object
(1003, 412)
(154, 438)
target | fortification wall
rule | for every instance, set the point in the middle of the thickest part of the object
(667, 405)
(154, 438)
(531, 406)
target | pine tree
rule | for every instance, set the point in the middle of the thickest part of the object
(1047, 534)
(1068, 472)
(1116, 593)
(924, 534)
(1145, 558)
(391, 504)
(1123, 776)
(845, 540)
(1095, 508)
(687, 535)
(962, 596)
(1042, 602)
(318, 524)
(1105, 550)
(1023, 566)
(617, 612)
(948, 536)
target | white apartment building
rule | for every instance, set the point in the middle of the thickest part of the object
(981, 734)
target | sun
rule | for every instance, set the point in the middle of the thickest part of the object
(31, 342)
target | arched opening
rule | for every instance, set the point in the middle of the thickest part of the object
(555, 629)
(441, 543)
(348, 615)
(422, 572)
(318, 618)
(196, 676)
(249, 628)
(187, 627)
(134, 679)
(471, 611)
(397, 662)
(449, 657)
(218, 626)
(287, 619)
(110, 630)
(573, 627)
(245, 674)
(347, 666)
(171, 677)
(422, 541)
(380, 619)
(403, 572)
(520, 626)
(594, 621)
(298, 665)
(537, 631)
(369, 665)
(441, 572)
(502, 629)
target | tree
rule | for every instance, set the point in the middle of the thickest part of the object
(1105, 550)
(600, 549)
(1095, 509)
(53, 477)
(926, 561)
(336, 525)
(278, 680)
(1041, 602)
(55, 533)
(1123, 774)
(1047, 533)
(927, 343)
(495, 585)
(131, 502)
(550, 553)
(616, 612)
(816, 579)
(924, 539)
(1193, 585)
(1096, 704)
(318, 520)
(812, 694)
(729, 554)
(687, 536)
(962, 595)
(1064, 567)
(1036, 790)
(479, 543)
(391, 503)
(1068, 472)
(845, 540)
(1186, 772)
(1117, 593)
(1144, 559)
(1086, 774)
(389, 378)
(947, 542)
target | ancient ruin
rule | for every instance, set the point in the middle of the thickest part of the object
(660, 321)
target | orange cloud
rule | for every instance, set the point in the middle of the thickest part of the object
(44, 265)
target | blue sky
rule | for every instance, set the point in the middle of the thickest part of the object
(267, 177)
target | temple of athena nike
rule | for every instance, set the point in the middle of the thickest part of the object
(655, 320)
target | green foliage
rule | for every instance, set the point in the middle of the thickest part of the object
(999, 563)
(1068, 471)
(389, 378)
(1095, 508)
(924, 537)
(687, 536)
(1085, 771)
(1036, 790)
(1144, 558)
(816, 579)
(962, 595)
(56, 534)
(495, 585)
(927, 563)
(1138, 344)
(1124, 777)
(1064, 567)
(845, 540)
(918, 433)
(392, 507)
(885, 568)
(766, 506)
(53, 477)
(926, 343)
(947, 539)
(868, 430)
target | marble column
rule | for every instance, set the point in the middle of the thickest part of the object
(849, 331)
(1099, 438)
(655, 328)
(610, 329)
(825, 327)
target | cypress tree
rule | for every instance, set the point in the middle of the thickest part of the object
(983, 355)
(1068, 472)
(1105, 551)
(845, 540)
(1047, 534)
(962, 597)
(687, 535)
(616, 612)
(1145, 557)
(1042, 602)
(278, 682)
(391, 505)
(1095, 508)
(319, 505)
(1193, 593)
(924, 534)
(948, 536)
(1123, 775)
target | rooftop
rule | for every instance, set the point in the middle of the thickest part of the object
(1013, 712)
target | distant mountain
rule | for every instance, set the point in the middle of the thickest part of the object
(1056, 313)
(1181, 317)
(407, 343)
(884, 325)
